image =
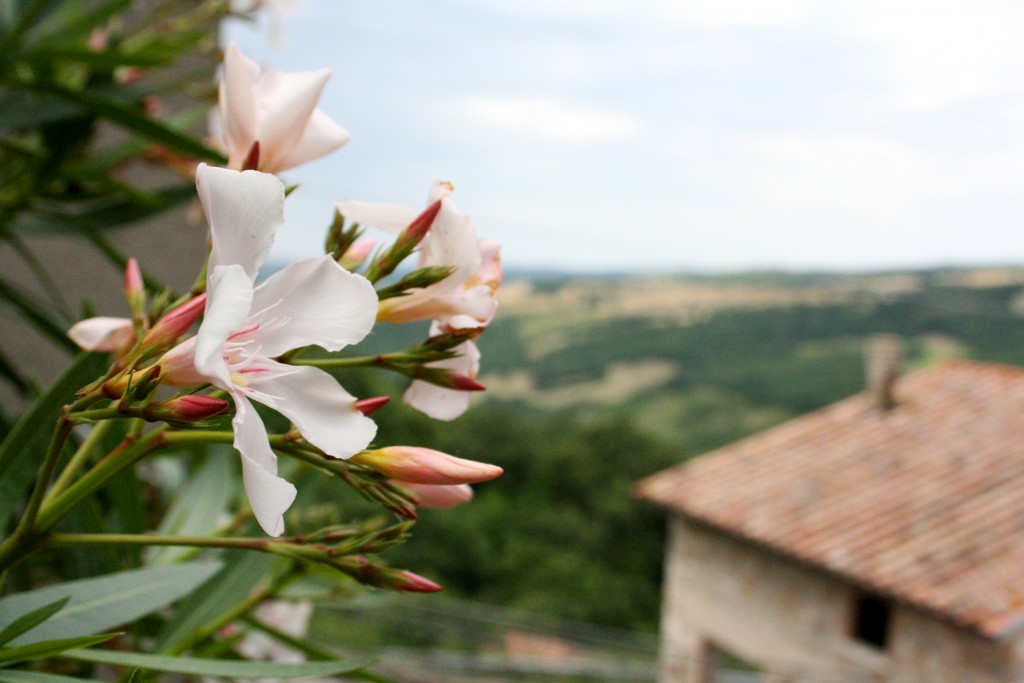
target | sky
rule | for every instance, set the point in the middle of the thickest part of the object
(673, 135)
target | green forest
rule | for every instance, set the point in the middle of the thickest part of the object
(560, 533)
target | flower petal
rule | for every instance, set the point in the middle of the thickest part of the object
(388, 217)
(321, 137)
(313, 301)
(321, 409)
(228, 302)
(285, 102)
(442, 403)
(237, 104)
(102, 333)
(452, 242)
(244, 210)
(269, 495)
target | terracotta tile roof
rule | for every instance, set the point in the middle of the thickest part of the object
(923, 503)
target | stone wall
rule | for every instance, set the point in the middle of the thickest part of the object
(794, 623)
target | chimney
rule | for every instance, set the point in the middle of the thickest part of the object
(884, 360)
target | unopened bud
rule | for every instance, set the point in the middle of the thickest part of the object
(414, 583)
(127, 385)
(133, 284)
(440, 497)
(419, 227)
(188, 409)
(425, 466)
(135, 291)
(167, 330)
(464, 383)
(368, 406)
(354, 256)
(406, 241)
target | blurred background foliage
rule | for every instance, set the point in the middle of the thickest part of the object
(100, 105)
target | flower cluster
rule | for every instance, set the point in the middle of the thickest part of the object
(251, 335)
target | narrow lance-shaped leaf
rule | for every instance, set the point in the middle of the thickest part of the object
(107, 601)
(220, 668)
(130, 119)
(23, 676)
(31, 620)
(243, 571)
(49, 648)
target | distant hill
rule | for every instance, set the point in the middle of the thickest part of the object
(752, 348)
(595, 382)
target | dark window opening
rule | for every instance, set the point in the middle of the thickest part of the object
(871, 620)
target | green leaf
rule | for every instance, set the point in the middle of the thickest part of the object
(28, 621)
(21, 450)
(37, 313)
(198, 508)
(21, 109)
(107, 601)
(22, 676)
(243, 571)
(103, 214)
(130, 119)
(219, 668)
(75, 20)
(48, 648)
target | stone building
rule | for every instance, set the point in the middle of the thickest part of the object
(878, 539)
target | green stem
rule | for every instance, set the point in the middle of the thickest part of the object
(78, 460)
(125, 455)
(60, 435)
(382, 360)
(26, 536)
(58, 539)
(98, 414)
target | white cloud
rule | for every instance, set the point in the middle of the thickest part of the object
(549, 118)
(933, 53)
(702, 14)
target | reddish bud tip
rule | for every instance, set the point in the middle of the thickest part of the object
(368, 406)
(464, 383)
(176, 323)
(194, 408)
(414, 583)
(252, 159)
(133, 285)
(421, 224)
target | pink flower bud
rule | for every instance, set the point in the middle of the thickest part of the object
(440, 497)
(414, 583)
(420, 225)
(356, 254)
(98, 39)
(167, 330)
(193, 408)
(425, 466)
(464, 383)
(368, 406)
(133, 285)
